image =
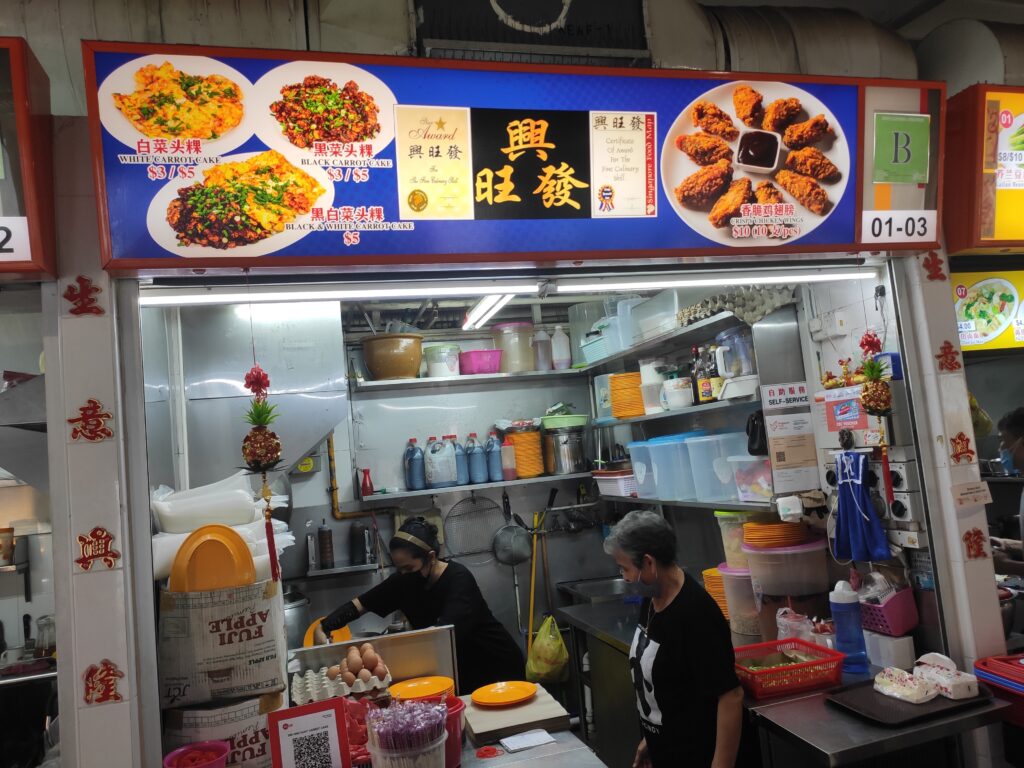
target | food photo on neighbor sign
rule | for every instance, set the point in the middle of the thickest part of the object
(214, 156)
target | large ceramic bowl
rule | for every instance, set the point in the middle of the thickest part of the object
(393, 355)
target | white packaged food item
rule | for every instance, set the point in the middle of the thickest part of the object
(941, 672)
(184, 515)
(904, 686)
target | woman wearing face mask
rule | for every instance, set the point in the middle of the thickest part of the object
(1006, 553)
(433, 592)
(681, 660)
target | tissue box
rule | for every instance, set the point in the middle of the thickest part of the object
(885, 651)
(941, 672)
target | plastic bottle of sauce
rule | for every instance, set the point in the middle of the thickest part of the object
(325, 546)
(541, 351)
(493, 452)
(561, 350)
(508, 460)
(366, 489)
(477, 460)
(461, 462)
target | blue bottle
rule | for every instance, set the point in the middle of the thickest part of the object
(461, 464)
(477, 460)
(845, 605)
(492, 451)
(415, 474)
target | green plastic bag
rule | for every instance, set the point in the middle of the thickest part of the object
(549, 658)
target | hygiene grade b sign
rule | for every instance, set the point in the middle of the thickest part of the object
(230, 157)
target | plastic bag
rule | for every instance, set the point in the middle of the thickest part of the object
(792, 624)
(549, 658)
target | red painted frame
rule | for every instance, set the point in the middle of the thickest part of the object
(272, 264)
(31, 96)
(961, 221)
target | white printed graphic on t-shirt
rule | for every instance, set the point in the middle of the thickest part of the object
(641, 667)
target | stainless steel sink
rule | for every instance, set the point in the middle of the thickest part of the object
(606, 590)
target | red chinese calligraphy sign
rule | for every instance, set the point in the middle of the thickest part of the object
(961, 445)
(932, 264)
(91, 422)
(101, 683)
(97, 546)
(947, 357)
(974, 544)
(82, 297)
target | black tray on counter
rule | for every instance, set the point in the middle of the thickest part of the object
(863, 700)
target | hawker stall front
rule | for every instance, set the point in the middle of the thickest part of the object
(407, 348)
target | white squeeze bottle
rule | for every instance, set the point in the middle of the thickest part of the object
(541, 351)
(561, 351)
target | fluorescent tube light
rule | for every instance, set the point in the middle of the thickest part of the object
(495, 309)
(479, 311)
(718, 280)
(178, 298)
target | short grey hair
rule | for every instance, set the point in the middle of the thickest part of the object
(643, 532)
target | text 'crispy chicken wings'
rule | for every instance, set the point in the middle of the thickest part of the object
(800, 135)
(728, 205)
(779, 114)
(806, 190)
(812, 162)
(699, 189)
(712, 119)
(748, 106)
(703, 148)
(767, 193)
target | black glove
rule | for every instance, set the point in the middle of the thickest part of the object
(340, 618)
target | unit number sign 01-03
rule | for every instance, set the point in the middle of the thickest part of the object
(898, 227)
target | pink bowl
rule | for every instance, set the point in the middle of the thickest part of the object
(480, 361)
(221, 749)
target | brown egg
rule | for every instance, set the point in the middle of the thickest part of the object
(364, 648)
(333, 672)
(380, 672)
(355, 663)
(348, 678)
(344, 665)
(364, 675)
(370, 660)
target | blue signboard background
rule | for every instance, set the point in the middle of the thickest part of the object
(129, 191)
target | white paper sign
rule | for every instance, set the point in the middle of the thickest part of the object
(14, 245)
(972, 494)
(790, 395)
(898, 227)
(793, 452)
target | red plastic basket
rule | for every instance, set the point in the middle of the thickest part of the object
(895, 616)
(1009, 669)
(825, 671)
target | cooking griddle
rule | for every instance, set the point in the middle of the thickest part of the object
(863, 700)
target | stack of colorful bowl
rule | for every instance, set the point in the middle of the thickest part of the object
(714, 587)
(771, 535)
(627, 399)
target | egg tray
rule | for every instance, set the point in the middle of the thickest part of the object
(313, 685)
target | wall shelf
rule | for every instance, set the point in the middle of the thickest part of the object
(729, 505)
(343, 570)
(387, 497)
(693, 410)
(442, 382)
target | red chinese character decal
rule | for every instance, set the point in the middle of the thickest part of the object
(974, 544)
(96, 546)
(961, 448)
(933, 266)
(83, 297)
(947, 357)
(101, 682)
(91, 422)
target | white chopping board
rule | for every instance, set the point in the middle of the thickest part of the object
(485, 725)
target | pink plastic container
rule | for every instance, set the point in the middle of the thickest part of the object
(220, 748)
(480, 361)
(896, 616)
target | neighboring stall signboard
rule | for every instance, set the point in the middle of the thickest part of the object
(230, 157)
(985, 164)
(27, 242)
(988, 313)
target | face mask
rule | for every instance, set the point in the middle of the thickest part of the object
(1006, 458)
(644, 590)
(414, 579)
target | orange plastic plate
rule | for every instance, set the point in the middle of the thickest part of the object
(212, 557)
(504, 694)
(342, 635)
(422, 687)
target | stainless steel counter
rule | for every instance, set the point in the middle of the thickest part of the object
(613, 623)
(835, 738)
(567, 750)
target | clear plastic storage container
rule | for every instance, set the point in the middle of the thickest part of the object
(513, 339)
(670, 460)
(739, 596)
(640, 457)
(656, 316)
(731, 524)
(709, 462)
(800, 570)
(753, 477)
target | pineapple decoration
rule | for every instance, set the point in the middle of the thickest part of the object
(875, 395)
(261, 448)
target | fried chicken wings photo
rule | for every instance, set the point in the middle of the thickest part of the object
(800, 135)
(700, 189)
(812, 162)
(767, 193)
(807, 191)
(748, 106)
(780, 113)
(703, 148)
(728, 205)
(713, 120)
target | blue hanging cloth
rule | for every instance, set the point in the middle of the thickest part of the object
(858, 533)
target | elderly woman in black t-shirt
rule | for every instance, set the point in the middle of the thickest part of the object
(433, 592)
(681, 659)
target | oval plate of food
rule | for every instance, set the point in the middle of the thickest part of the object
(304, 102)
(754, 142)
(991, 306)
(249, 204)
(176, 98)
